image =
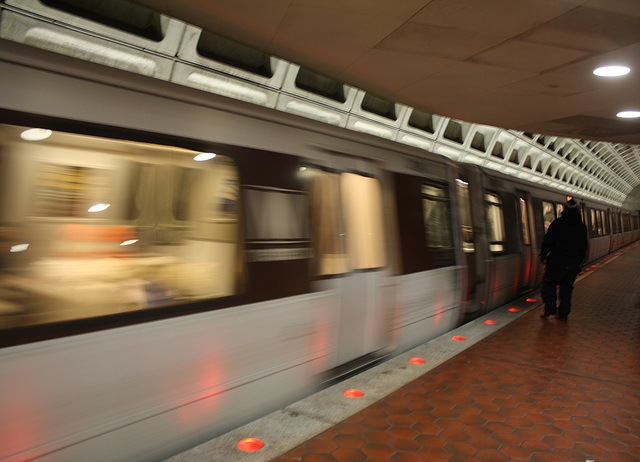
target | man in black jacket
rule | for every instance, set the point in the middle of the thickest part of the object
(564, 248)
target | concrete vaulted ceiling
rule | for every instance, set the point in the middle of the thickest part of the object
(517, 64)
(523, 66)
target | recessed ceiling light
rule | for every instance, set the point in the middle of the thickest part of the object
(35, 134)
(628, 114)
(612, 71)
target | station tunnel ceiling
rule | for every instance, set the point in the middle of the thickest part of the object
(514, 75)
(520, 65)
(523, 65)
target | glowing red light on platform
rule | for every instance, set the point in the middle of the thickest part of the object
(353, 393)
(416, 360)
(250, 444)
(490, 322)
(458, 338)
(513, 310)
(531, 300)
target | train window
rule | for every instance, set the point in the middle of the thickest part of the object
(559, 210)
(121, 14)
(422, 121)
(327, 225)
(437, 217)
(594, 222)
(227, 51)
(364, 225)
(98, 226)
(626, 222)
(495, 220)
(524, 220)
(465, 216)
(615, 223)
(380, 106)
(603, 220)
(548, 213)
(320, 85)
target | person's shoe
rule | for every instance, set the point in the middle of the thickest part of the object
(562, 318)
(545, 314)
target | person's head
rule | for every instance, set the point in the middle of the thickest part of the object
(571, 208)
(571, 204)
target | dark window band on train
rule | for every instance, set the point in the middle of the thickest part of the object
(424, 215)
(320, 85)
(495, 222)
(466, 221)
(227, 51)
(122, 14)
(380, 106)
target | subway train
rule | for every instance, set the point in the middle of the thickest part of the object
(174, 263)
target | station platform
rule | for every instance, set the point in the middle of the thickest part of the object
(508, 386)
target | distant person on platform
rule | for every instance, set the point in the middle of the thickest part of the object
(563, 251)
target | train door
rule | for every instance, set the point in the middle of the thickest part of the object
(469, 188)
(527, 234)
(350, 256)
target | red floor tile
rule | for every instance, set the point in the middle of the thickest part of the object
(535, 390)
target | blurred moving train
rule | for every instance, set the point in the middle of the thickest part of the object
(175, 263)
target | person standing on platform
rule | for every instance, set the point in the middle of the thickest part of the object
(563, 251)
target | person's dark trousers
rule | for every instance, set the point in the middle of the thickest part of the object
(554, 276)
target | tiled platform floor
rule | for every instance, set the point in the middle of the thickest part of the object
(537, 390)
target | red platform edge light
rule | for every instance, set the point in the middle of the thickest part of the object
(490, 322)
(532, 300)
(513, 310)
(416, 360)
(250, 444)
(458, 338)
(353, 393)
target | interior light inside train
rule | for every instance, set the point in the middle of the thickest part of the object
(93, 226)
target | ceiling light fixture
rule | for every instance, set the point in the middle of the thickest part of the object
(611, 71)
(628, 114)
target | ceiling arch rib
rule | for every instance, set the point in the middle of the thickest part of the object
(522, 154)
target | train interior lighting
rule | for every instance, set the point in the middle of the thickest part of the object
(204, 156)
(19, 248)
(36, 134)
(99, 207)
